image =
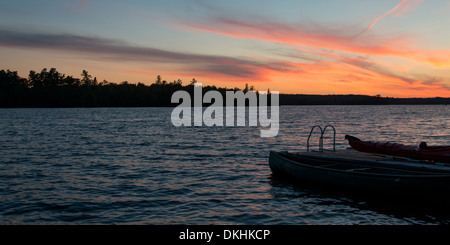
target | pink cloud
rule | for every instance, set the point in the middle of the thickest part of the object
(324, 37)
(401, 9)
(82, 2)
(398, 6)
(406, 8)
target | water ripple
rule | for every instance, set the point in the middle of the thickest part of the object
(131, 166)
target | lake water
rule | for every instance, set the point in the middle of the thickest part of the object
(132, 166)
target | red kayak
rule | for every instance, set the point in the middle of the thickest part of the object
(421, 152)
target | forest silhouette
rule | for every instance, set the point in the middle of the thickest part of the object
(50, 88)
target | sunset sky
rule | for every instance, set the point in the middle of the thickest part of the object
(387, 47)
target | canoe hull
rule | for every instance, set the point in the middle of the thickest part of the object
(312, 170)
(436, 154)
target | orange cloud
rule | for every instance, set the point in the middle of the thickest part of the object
(359, 76)
(322, 37)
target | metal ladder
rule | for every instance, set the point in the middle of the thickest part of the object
(322, 131)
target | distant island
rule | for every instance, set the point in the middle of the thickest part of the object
(49, 88)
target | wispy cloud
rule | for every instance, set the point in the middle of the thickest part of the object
(406, 8)
(400, 9)
(322, 36)
(116, 50)
(82, 2)
(379, 69)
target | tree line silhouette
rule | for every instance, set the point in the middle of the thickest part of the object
(50, 88)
